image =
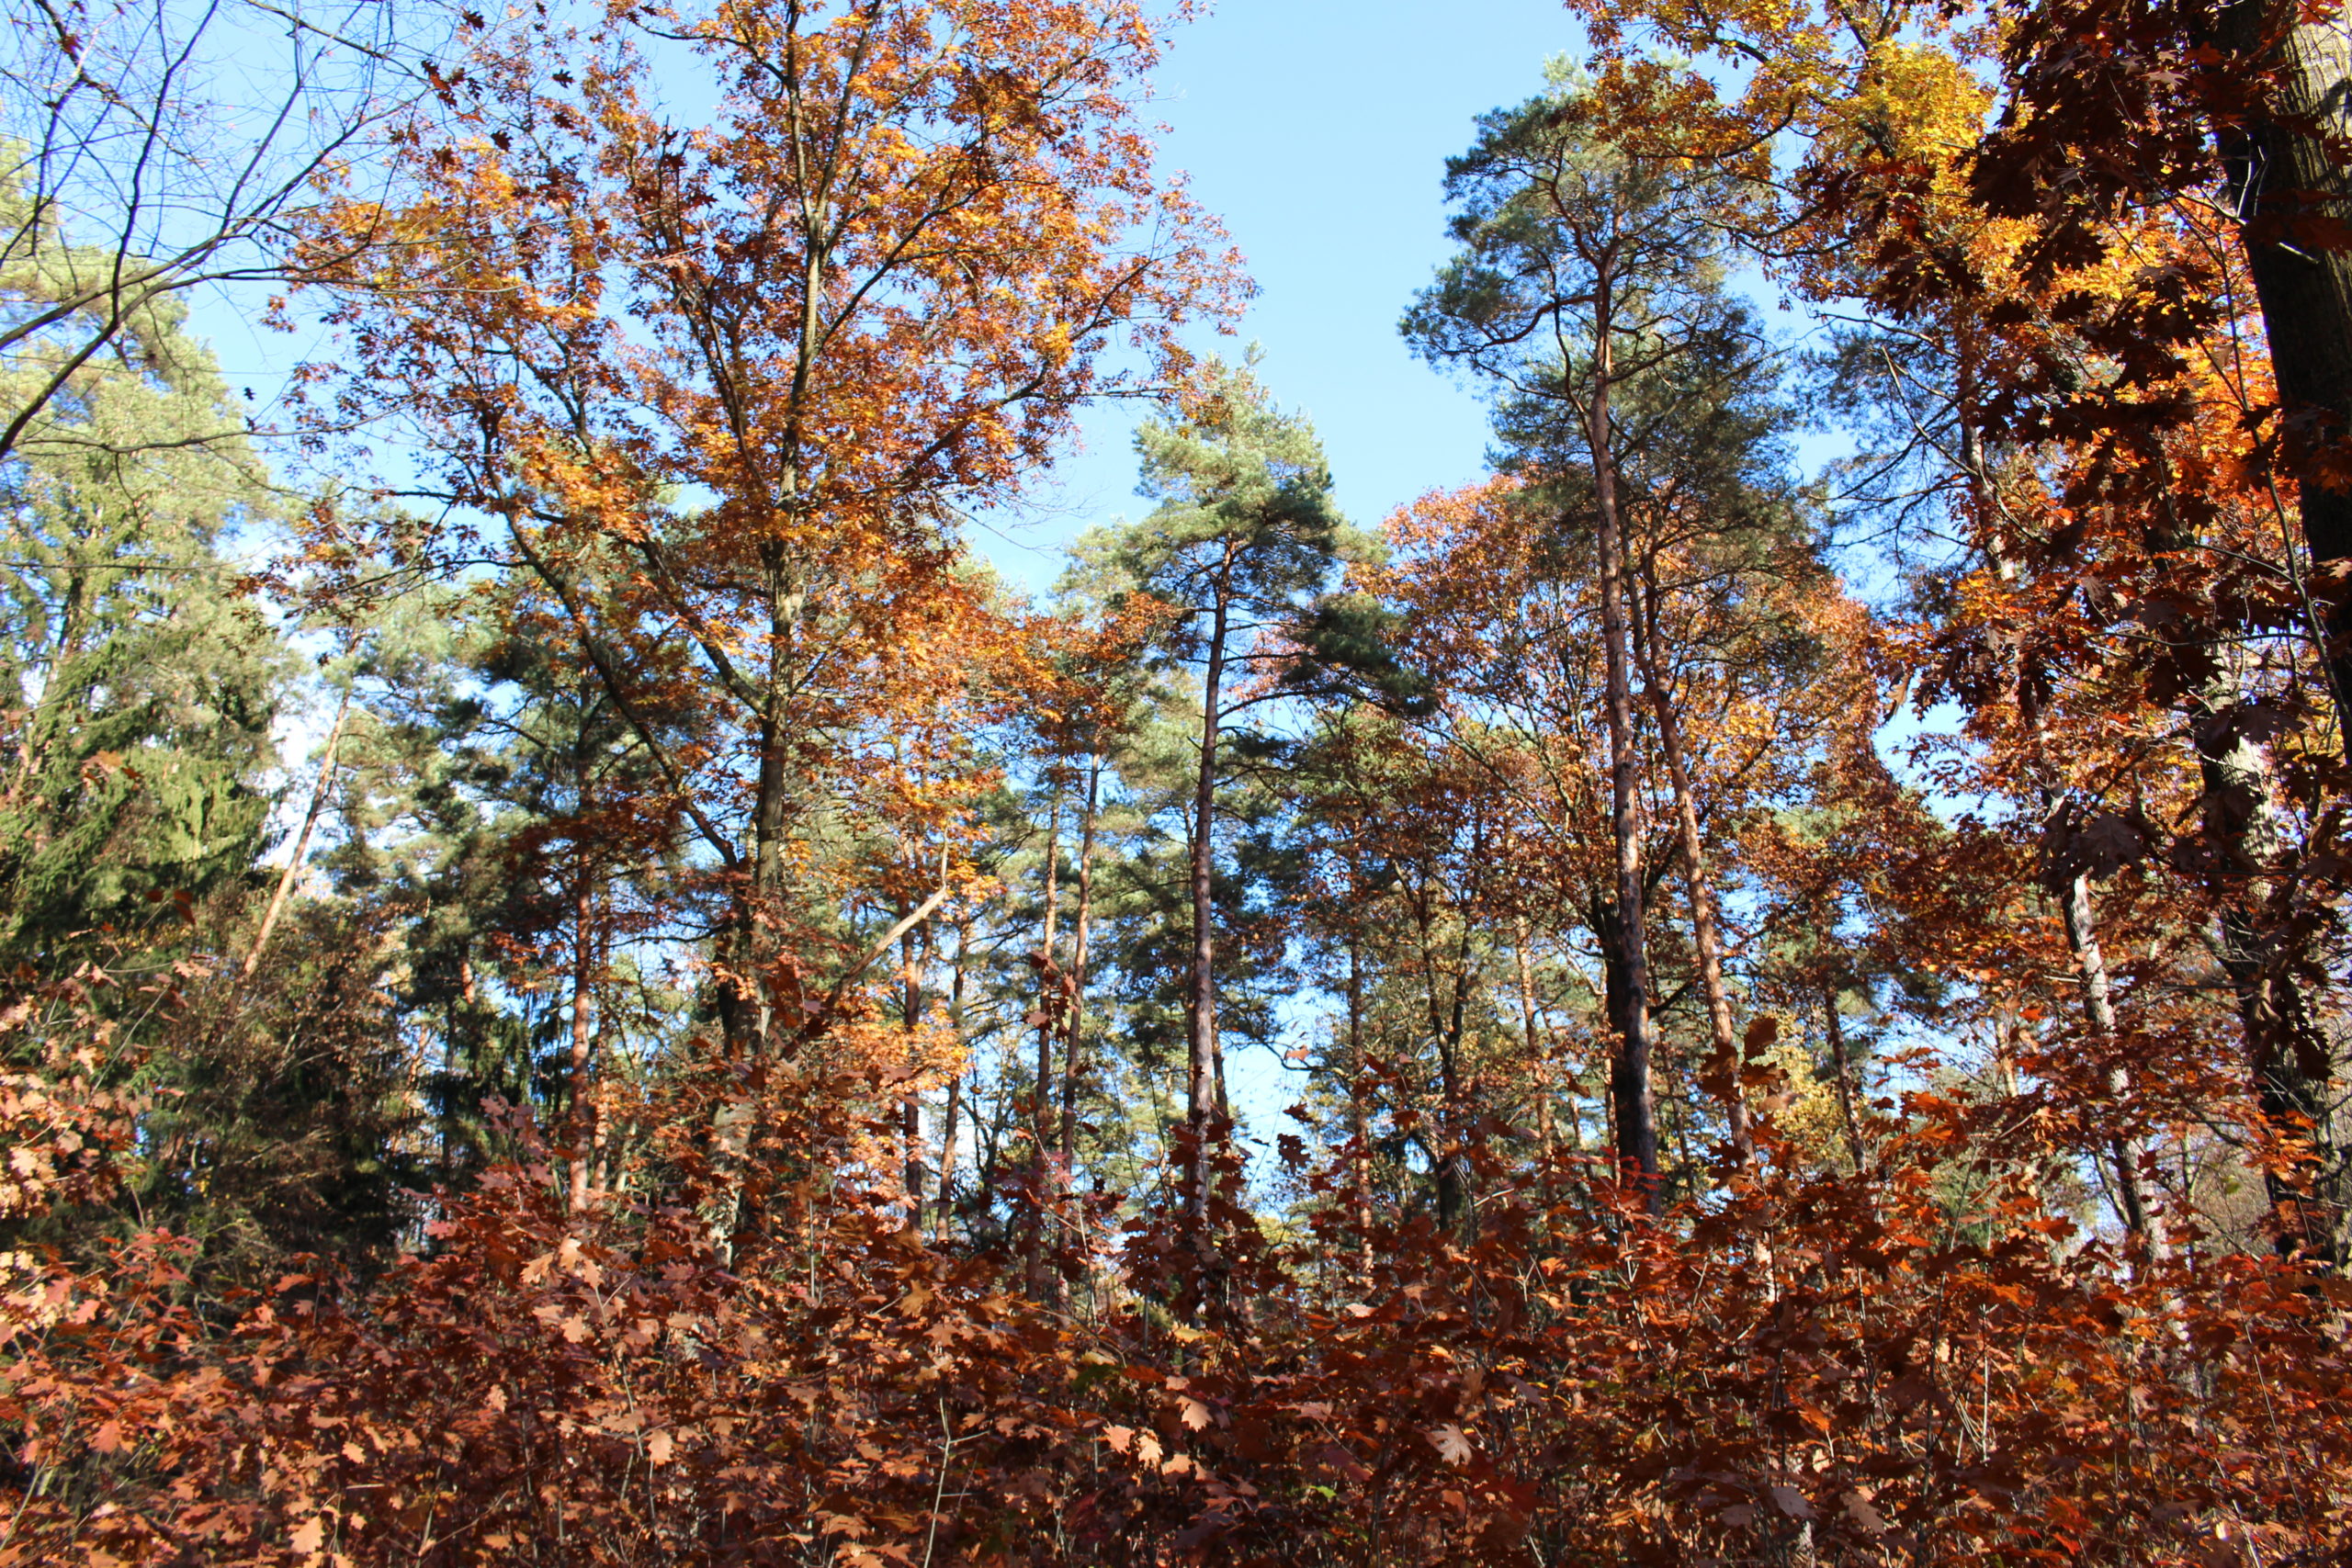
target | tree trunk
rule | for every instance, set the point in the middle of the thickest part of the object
(1204, 1086)
(1072, 1041)
(1358, 1121)
(1538, 1067)
(1445, 1032)
(947, 1128)
(319, 788)
(1723, 1072)
(1835, 1026)
(1621, 935)
(2289, 1056)
(1049, 1007)
(580, 1087)
(2099, 1007)
(911, 1014)
(758, 1025)
(2283, 173)
(1049, 977)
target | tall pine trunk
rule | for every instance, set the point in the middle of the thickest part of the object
(1204, 1080)
(1073, 1043)
(1722, 1073)
(1624, 955)
(1048, 1015)
(1359, 1120)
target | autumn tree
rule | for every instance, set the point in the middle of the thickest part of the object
(732, 388)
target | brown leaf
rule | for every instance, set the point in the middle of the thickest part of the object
(1866, 1519)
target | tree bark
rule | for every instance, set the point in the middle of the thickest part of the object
(2289, 1056)
(948, 1129)
(1446, 1022)
(1358, 1121)
(1073, 1039)
(1538, 1067)
(1049, 1008)
(1622, 934)
(1723, 1073)
(910, 1015)
(1204, 1086)
(2099, 1007)
(2283, 174)
(580, 1087)
(1049, 977)
(1834, 1025)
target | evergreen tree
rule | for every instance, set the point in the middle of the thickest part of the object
(1245, 542)
(139, 685)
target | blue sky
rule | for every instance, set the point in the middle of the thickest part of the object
(1317, 131)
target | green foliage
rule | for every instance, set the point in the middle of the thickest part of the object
(1246, 531)
(138, 686)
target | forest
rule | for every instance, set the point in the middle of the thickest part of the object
(585, 979)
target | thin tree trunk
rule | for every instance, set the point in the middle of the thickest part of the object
(319, 788)
(2099, 1005)
(582, 1108)
(1538, 1066)
(580, 1087)
(751, 1013)
(948, 1129)
(1444, 1167)
(1722, 1073)
(1049, 1000)
(1358, 1121)
(1073, 1043)
(910, 1016)
(1836, 1025)
(2289, 1052)
(1049, 1011)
